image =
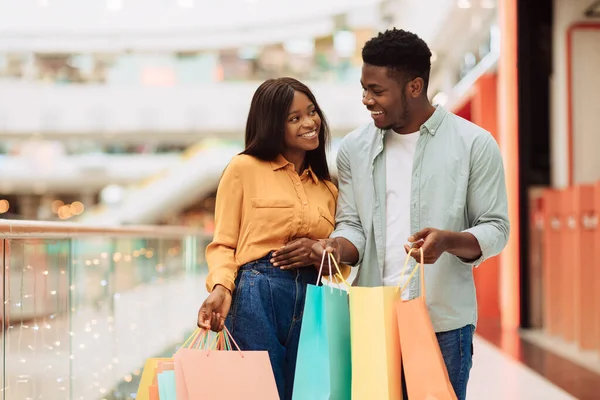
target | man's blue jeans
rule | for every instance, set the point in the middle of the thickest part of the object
(266, 314)
(457, 351)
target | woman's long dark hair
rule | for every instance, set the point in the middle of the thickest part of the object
(265, 128)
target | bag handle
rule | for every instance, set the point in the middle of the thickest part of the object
(419, 266)
(225, 336)
(222, 341)
(321, 267)
(338, 273)
(198, 338)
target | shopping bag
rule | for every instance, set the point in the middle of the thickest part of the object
(323, 365)
(424, 368)
(148, 387)
(228, 374)
(148, 376)
(166, 385)
(198, 340)
(153, 388)
(376, 355)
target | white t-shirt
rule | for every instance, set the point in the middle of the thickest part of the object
(399, 156)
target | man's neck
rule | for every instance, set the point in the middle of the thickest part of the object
(419, 118)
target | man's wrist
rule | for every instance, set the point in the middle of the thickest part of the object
(462, 244)
(449, 241)
(339, 247)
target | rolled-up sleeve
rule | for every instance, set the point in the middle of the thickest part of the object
(487, 202)
(347, 220)
(220, 253)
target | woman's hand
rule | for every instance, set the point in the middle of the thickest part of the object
(296, 254)
(214, 310)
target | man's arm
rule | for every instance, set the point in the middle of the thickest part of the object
(487, 208)
(348, 238)
(487, 205)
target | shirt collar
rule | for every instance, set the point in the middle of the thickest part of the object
(434, 122)
(430, 126)
(280, 162)
(312, 174)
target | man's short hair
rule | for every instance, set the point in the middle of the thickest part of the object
(402, 52)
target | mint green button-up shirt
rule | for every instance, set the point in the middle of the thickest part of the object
(457, 184)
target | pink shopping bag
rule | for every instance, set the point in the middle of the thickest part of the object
(226, 374)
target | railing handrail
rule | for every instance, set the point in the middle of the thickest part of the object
(42, 229)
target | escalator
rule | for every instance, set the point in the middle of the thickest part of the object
(194, 177)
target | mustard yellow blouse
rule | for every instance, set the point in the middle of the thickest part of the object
(261, 206)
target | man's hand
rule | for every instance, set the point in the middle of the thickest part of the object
(296, 254)
(214, 310)
(433, 242)
(327, 245)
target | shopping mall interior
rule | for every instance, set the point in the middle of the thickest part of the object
(118, 117)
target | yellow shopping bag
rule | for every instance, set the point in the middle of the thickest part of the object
(376, 356)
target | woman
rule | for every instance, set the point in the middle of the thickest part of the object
(274, 201)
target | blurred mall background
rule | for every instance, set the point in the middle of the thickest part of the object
(117, 118)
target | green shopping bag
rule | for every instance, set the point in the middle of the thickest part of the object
(166, 385)
(323, 366)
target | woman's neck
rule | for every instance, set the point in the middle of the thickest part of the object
(297, 158)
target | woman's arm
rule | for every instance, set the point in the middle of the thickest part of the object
(220, 253)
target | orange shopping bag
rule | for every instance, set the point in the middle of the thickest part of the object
(424, 368)
(223, 374)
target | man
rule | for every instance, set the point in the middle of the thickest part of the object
(421, 174)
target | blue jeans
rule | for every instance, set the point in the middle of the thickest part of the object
(266, 314)
(457, 351)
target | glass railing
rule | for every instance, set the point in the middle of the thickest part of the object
(84, 306)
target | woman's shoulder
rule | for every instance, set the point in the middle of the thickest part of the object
(242, 162)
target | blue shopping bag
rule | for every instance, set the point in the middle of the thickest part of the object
(323, 366)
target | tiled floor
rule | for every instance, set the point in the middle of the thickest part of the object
(548, 358)
(496, 376)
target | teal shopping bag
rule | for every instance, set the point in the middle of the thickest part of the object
(323, 366)
(166, 385)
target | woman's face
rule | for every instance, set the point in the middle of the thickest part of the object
(302, 125)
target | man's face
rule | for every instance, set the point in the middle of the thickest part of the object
(385, 97)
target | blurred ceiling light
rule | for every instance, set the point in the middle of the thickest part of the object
(64, 212)
(464, 4)
(186, 3)
(302, 47)
(112, 194)
(4, 206)
(488, 4)
(114, 5)
(56, 204)
(43, 3)
(77, 208)
(344, 43)
(441, 98)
